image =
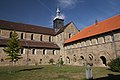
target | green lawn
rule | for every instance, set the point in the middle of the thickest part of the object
(53, 72)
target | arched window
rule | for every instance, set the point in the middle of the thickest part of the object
(111, 38)
(103, 60)
(74, 58)
(96, 40)
(90, 43)
(90, 57)
(68, 60)
(103, 39)
(21, 35)
(31, 36)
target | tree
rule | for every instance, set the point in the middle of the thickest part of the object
(13, 48)
(115, 64)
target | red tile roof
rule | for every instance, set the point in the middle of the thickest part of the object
(99, 28)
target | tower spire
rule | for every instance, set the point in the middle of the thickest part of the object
(58, 14)
(58, 21)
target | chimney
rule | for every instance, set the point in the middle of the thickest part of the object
(96, 22)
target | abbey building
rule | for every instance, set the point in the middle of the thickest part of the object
(98, 43)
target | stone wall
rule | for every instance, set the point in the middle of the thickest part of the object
(99, 49)
(27, 54)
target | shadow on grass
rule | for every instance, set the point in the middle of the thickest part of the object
(30, 69)
(109, 77)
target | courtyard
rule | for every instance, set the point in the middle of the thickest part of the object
(54, 72)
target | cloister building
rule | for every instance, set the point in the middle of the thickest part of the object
(98, 43)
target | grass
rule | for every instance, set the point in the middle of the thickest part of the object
(53, 72)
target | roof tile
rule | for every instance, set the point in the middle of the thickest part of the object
(99, 28)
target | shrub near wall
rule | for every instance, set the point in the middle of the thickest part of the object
(115, 65)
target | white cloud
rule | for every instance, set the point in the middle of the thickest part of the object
(67, 3)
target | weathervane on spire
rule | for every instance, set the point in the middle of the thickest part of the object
(58, 14)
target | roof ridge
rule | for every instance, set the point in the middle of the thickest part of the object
(26, 24)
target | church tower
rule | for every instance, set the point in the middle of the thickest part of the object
(58, 21)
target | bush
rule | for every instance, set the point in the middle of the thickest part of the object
(61, 62)
(51, 61)
(115, 65)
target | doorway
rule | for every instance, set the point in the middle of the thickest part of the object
(103, 60)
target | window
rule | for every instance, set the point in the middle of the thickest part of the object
(111, 38)
(49, 38)
(22, 51)
(41, 37)
(21, 35)
(69, 35)
(29, 59)
(53, 52)
(90, 42)
(2, 60)
(96, 40)
(10, 35)
(80, 45)
(31, 36)
(33, 51)
(103, 39)
(44, 52)
(40, 59)
(84, 44)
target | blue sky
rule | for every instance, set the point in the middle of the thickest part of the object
(82, 13)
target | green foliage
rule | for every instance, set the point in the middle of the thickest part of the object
(13, 47)
(51, 61)
(61, 62)
(115, 64)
